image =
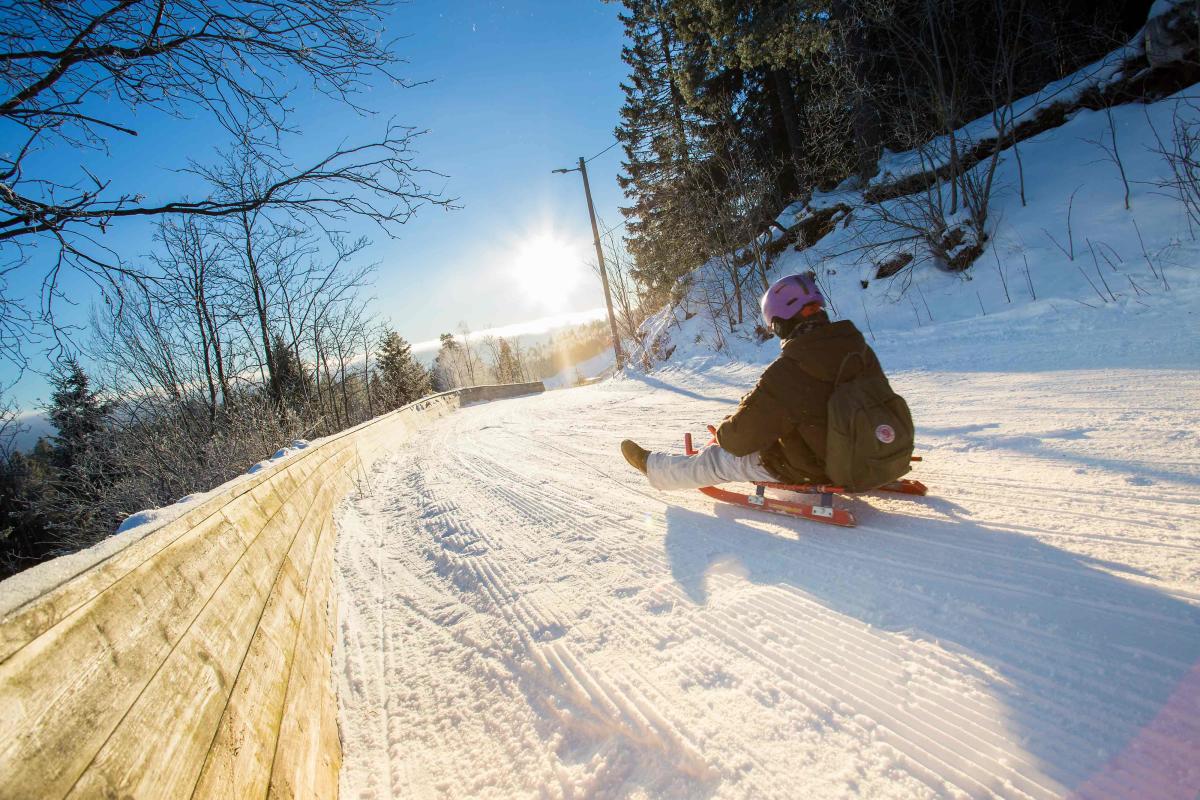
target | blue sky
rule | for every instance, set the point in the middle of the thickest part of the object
(515, 90)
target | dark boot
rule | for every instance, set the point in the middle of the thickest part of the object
(635, 455)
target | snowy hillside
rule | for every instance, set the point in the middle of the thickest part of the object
(1070, 244)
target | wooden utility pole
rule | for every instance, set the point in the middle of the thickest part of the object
(612, 320)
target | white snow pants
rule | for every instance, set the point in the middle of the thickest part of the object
(710, 467)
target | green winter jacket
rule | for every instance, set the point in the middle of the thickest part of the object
(784, 417)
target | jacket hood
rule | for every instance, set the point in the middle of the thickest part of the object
(820, 352)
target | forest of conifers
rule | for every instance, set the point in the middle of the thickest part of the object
(734, 109)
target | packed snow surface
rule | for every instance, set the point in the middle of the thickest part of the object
(522, 616)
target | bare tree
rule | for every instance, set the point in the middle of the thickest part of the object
(192, 267)
(450, 365)
(471, 363)
(229, 58)
(505, 354)
(491, 346)
(72, 74)
(10, 428)
(1181, 151)
(1111, 150)
(628, 306)
(736, 197)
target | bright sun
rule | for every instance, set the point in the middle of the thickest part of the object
(546, 269)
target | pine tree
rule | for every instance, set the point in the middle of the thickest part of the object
(508, 363)
(713, 125)
(79, 466)
(732, 108)
(378, 393)
(403, 379)
(24, 536)
(290, 376)
(439, 380)
(656, 132)
(78, 415)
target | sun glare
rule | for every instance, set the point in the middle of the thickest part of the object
(546, 270)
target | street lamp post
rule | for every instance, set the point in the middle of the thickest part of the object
(612, 320)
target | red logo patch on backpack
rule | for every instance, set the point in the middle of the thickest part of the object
(885, 434)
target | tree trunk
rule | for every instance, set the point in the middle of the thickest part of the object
(787, 111)
(865, 122)
(208, 367)
(260, 308)
(664, 36)
(367, 377)
(218, 355)
(345, 390)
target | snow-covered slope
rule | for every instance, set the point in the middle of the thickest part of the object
(1071, 244)
(522, 616)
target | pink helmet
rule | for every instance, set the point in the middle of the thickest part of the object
(788, 296)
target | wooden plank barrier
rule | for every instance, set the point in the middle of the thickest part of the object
(195, 661)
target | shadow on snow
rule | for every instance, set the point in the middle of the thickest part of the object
(1081, 653)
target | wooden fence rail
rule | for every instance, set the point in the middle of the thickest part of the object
(195, 661)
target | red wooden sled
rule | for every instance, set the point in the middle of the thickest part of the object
(824, 511)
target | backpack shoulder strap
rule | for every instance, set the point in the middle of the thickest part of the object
(860, 355)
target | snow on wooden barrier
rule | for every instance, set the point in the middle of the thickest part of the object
(195, 661)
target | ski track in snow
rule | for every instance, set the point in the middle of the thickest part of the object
(521, 615)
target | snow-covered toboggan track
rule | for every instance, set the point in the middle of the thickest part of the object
(192, 658)
(522, 616)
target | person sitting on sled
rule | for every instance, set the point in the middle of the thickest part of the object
(778, 432)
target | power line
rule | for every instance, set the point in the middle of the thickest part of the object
(620, 224)
(602, 152)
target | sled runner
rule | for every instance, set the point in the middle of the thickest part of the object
(823, 511)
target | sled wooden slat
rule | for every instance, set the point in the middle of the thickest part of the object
(826, 514)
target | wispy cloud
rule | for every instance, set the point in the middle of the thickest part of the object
(534, 327)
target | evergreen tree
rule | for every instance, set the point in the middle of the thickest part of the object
(24, 536)
(376, 388)
(78, 415)
(403, 379)
(439, 380)
(712, 126)
(508, 363)
(290, 376)
(654, 132)
(733, 108)
(78, 465)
